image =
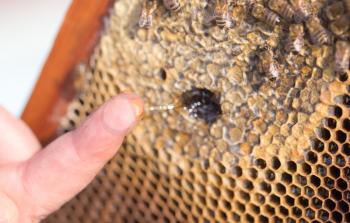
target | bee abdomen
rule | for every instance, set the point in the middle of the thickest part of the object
(265, 15)
(288, 12)
(322, 36)
(300, 16)
(272, 18)
(221, 21)
(173, 5)
(294, 45)
(318, 34)
(301, 9)
(282, 8)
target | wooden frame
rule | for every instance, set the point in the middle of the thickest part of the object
(54, 90)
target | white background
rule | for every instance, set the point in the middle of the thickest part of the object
(27, 31)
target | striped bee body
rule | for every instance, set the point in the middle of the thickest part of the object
(221, 15)
(268, 65)
(302, 10)
(318, 34)
(265, 15)
(172, 5)
(282, 8)
(146, 17)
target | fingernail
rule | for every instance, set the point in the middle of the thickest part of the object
(122, 112)
(138, 107)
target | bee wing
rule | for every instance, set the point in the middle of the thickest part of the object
(143, 19)
(274, 70)
(149, 20)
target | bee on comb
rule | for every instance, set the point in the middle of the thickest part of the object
(302, 10)
(265, 15)
(268, 64)
(172, 5)
(283, 8)
(318, 34)
(295, 40)
(342, 56)
(146, 17)
(200, 103)
(221, 14)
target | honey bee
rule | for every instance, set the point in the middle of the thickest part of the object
(265, 15)
(340, 26)
(334, 11)
(146, 17)
(295, 41)
(200, 103)
(221, 15)
(283, 8)
(172, 5)
(342, 56)
(268, 64)
(318, 34)
(302, 10)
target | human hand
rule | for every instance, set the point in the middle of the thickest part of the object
(35, 182)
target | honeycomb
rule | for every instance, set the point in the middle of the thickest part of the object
(280, 151)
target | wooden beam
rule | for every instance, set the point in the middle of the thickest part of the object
(74, 43)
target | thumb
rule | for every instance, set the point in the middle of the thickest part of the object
(68, 164)
(9, 211)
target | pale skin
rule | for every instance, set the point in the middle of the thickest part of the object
(36, 181)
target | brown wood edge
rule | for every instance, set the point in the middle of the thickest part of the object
(74, 43)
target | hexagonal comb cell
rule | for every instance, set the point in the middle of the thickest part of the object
(279, 151)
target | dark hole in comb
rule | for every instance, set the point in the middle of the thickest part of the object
(162, 74)
(341, 136)
(343, 77)
(332, 147)
(303, 201)
(336, 111)
(292, 167)
(337, 217)
(311, 157)
(346, 100)
(276, 163)
(202, 103)
(336, 194)
(317, 145)
(346, 124)
(324, 133)
(263, 219)
(323, 215)
(342, 184)
(329, 182)
(346, 149)
(330, 122)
